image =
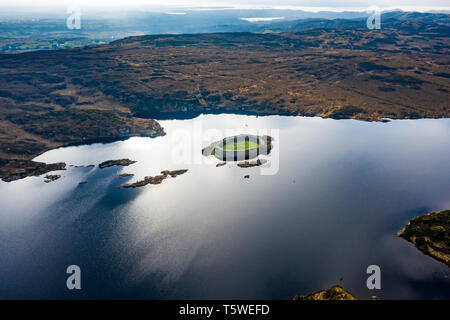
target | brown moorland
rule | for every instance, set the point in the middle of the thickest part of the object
(113, 91)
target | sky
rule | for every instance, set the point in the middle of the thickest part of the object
(308, 5)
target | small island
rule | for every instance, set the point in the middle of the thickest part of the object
(11, 170)
(334, 293)
(430, 233)
(124, 175)
(239, 147)
(154, 180)
(120, 162)
(249, 164)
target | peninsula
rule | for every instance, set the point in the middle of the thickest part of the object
(430, 233)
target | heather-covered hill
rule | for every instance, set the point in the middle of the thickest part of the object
(50, 98)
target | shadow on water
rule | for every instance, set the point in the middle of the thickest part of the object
(77, 232)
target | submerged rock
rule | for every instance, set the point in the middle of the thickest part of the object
(154, 180)
(334, 293)
(430, 233)
(82, 166)
(120, 162)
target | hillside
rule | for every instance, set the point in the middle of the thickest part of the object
(51, 98)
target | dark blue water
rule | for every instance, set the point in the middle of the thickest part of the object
(329, 204)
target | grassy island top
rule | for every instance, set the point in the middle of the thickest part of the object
(240, 145)
(430, 233)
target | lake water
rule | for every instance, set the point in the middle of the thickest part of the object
(328, 204)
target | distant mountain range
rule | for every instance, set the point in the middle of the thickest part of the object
(27, 33)
(411, 22)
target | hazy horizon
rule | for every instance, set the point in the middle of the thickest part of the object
(312, 6)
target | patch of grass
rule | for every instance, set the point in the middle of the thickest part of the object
(240, 145)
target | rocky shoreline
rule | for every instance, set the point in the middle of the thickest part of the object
(120, 162)
(124, 175)
(154, 180)
(11, 170)
(430, 233)
(249, 164)
(46, 131)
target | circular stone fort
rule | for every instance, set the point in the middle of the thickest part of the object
(240, 147)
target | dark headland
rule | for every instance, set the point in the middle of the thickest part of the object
(430, 233)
